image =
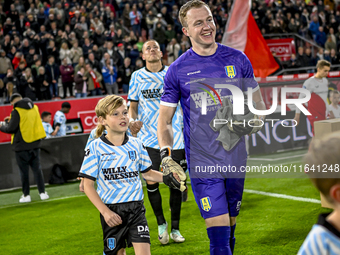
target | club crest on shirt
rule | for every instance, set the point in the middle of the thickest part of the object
(230, 71)
(111, 243)
(132, 155)
(205, 204)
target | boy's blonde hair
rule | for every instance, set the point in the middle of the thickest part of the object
(105, 106)
(324, 153)
(188, 6)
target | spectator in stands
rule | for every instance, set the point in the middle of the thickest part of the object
(160, 36)
(134, 54)
(30, 56)
(332, 35)
(67, 72)
(76, 53)
(80, 83)
(43, 91)
(87, 47)
(52, 73)
(310, 61)
(65, 53)
(97, 53)
(94, 63)
(160, 20)
(59, 120)
(327, 56)
(19, 57)
(83, 23)
(320, 37)
(172, 51)
(151, 20)
(293, 62)
(6, 44)
(98, 25)
(93, 79)
(98, 37)
(293, 26)
(10, 78)
(135, 19)
(5, 64)
(106, 56)
(79, 65)
(18, 73)
(314, 26)
(139, 64)
(320, 55)
(46, 118)
(27, 130)
(110, 73)
(329, 45)
(52, 50)
(334, 57)
(122, 54)
(301, 57)
(170, 33)
(27, 84)
(125, 72)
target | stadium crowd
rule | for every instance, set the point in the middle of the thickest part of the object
(89, 47)
(317, 21)
(92, 47)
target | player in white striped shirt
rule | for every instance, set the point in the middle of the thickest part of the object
(324, 238)
(145, 91)
(115, 160)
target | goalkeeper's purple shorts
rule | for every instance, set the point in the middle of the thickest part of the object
(218, 196)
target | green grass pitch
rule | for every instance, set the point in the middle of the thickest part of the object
(69, 224)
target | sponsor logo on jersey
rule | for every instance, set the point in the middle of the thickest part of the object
(206, 204)
(230, 71)
(152, 93)
(117, 173)
(132, 155)
(111, 243)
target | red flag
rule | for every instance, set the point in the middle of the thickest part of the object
(242, 33)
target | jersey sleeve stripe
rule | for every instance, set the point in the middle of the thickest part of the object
(87, 176)
(168, 104)
(146, 170)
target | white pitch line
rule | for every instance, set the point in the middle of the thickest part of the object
(275, 159)
(269, 194)
(38, 202)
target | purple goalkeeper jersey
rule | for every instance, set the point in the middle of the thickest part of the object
(193, 80)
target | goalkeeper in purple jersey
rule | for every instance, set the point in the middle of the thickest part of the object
(218, 196)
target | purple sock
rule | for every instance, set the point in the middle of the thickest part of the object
(219, 240)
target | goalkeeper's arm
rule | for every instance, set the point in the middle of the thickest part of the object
(164, 127)
(165, 140)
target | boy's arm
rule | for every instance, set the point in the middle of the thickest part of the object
(112, 219)
(153, 176)
(172, 180)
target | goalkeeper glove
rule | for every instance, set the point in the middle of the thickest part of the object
(170, 167)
